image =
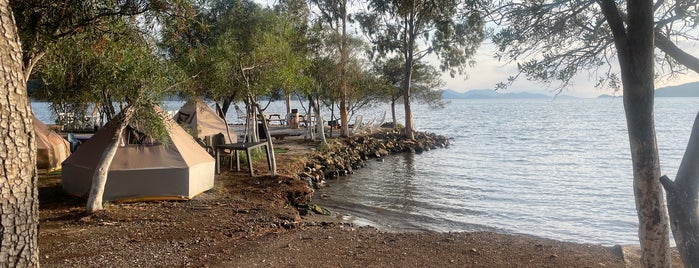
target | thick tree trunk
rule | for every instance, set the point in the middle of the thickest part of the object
(650, 204)
(683, 201)
(99, 178)
(636, 58)
(19, 214)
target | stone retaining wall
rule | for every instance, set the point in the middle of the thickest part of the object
(343, 156)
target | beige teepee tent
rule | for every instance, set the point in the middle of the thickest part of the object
(202, 121)
(51, 148)
(180, 169)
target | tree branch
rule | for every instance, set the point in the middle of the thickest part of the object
(616, 22)
(663, 43)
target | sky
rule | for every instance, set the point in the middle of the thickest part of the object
(488, 72)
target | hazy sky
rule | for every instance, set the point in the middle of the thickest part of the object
(489, 71)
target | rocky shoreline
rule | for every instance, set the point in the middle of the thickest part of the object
(343, 156)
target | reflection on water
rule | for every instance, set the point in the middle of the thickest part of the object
(388, 194)
(403, 173)
(555, 169)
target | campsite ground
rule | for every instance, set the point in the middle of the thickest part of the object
(248, 222)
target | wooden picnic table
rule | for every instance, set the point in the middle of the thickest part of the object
(276, 118)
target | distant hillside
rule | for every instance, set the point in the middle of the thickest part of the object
(492, 94)
(684, 90)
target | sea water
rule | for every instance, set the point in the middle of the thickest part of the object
(553, 168)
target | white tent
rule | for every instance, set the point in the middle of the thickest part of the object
(51, 148)
(180, 169)
(202, 121)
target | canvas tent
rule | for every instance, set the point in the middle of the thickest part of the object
(51, 148)
(180, 169)
(202, 121)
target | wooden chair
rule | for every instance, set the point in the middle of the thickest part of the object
(231, 149)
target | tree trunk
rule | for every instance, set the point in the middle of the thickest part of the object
(287, 101)
(270, 146)
(393, 114)
(344, 118)
(99, 178)
(332, 117)
(225, 105)
(344, 58)
(19, 214)
(683, 201)
(320, 125)
(636, 58)
(410, 43)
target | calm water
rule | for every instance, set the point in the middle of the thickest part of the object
(558, 169)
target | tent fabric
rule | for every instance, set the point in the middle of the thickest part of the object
(51, 148)
(203, 121)
(180, 169)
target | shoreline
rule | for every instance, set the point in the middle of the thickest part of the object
(246, 222)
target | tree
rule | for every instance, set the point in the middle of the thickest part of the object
(19, 211)
(425, 81)
(193, 47)
(322, 80)
(28, 28)
(555, 40)
(452, 30)
(296, 16)
(101, 68)
(335, 14)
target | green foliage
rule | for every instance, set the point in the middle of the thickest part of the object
(101, 68)
(323, 147)
(451, 30)
(281, 150)
(148, 120)
(41, 23)
(236, 49)
(425, 80)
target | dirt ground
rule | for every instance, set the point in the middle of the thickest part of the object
(248, 222)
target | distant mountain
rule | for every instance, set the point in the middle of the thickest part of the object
(607, 96)
(684, 90)
(492, 94)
